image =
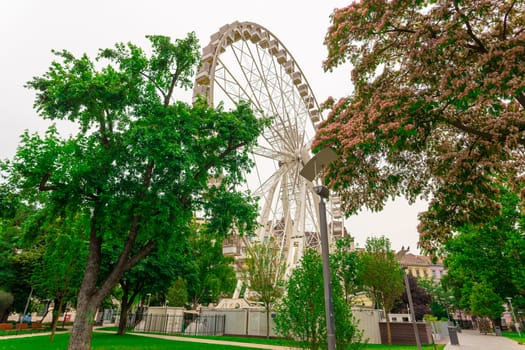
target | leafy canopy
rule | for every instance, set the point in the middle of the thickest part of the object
(438, 107)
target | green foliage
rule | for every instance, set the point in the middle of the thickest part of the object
(265, 268)
(380, 273)
(265, 271)
(381, 276)
(345, 265)
(140, 164)
(488, 255)
(178, 292)
(485, 302)
(210, 274)
(301, 312)
(436, 110)
(443, 301)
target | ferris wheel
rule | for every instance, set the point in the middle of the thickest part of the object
(246, 62)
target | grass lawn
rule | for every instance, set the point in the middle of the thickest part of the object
(514, 336)
(104, 341)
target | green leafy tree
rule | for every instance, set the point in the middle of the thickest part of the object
(485, 302)
(488, 254)
(265, 269)
(345, 265)
(64, 253)
(178, 292)
(140, 162)
(381, 276)
(301, 312)
(437, 107)
(210, 274)
(443, 301)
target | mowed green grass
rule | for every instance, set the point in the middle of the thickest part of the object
(104, 341)
(515, 336)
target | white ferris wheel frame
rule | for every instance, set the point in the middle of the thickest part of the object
(245, 61)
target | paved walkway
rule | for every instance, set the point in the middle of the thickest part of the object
(472, 339)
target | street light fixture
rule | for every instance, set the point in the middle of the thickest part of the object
(310, 171)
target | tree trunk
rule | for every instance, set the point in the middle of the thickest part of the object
(83, 326)
(124, 308)
(56, 315)
(388, 330)
(267, 320)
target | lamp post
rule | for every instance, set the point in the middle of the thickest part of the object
(310, 171)
(327, 283)
(411, 305)
(516, 324)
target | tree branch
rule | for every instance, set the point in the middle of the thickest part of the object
(174, 80)
(154, 83)
(42, 186)
(504, 28)
(521, 99)
(480, 47)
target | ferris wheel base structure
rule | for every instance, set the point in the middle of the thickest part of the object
(246, 62)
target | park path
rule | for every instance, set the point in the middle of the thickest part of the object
(473, 339)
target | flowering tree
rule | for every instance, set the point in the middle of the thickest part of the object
(438, 108)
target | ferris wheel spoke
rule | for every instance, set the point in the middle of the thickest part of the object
(271, 153)
(279, 128)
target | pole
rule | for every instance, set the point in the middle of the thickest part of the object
(516, 324)
(411, 305)
(327, 284)
(27, 304)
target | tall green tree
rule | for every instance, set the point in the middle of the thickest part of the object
(140, 162)
(265, 270)
(437, 108)
(301, 312)
(381, 276)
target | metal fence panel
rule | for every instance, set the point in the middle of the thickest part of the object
(177, 324)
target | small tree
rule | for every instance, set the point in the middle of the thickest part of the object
(485, 302)
(345, 266)
(381, 276)
(264, 272)
(301, 312)
(420, 297)
(178, 292)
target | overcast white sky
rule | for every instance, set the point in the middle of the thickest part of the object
(29, 29)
